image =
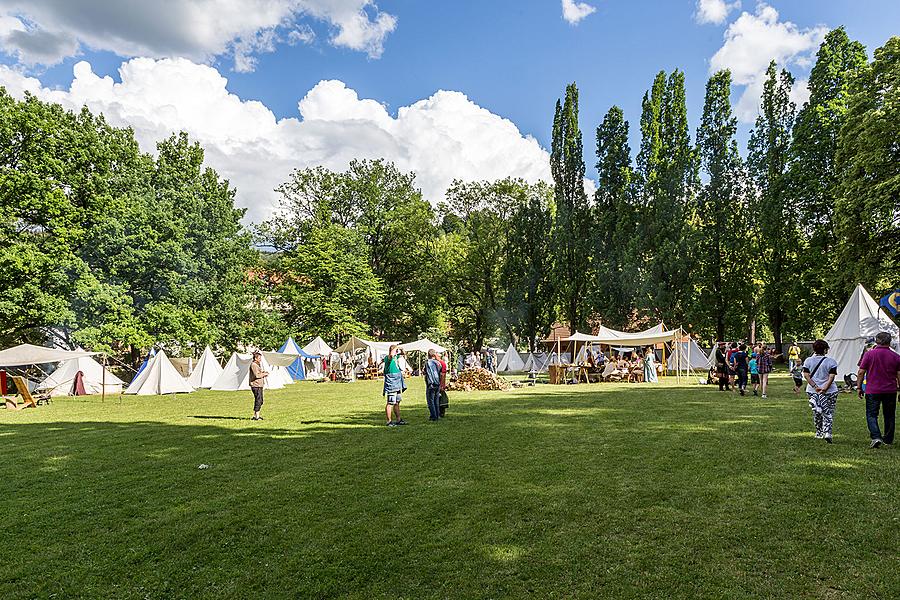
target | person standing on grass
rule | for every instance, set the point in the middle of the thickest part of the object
(793, 356)
(732, 349)
(722, 367)
(754, 372)
(444, 402)
(257, 383)
(764, 367)
(880, 368)
(741, 368)
(819, 371)
(433, 386)
(394, 386)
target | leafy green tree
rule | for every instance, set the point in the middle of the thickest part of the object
(528, 293)
(814, 178)
(571, 233)
(723, 277)
(868, 161)
(615, 245)
(776, 222)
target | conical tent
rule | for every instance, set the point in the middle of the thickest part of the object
(158, 378)
(61, 381)
(236, 374)
(206, 372)
(295, 370)
(511, 362)
(144, 365)
(537, 362)
(861, 319)
(318, 347)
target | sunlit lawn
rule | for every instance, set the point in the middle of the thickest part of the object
(576, 491)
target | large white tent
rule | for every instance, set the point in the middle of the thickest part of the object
(511, 362)
(206, 371)
(236, 374)
(61, 381)
(318, 347)
(861, 319)
(537, 362)
(423, 345)
(28, 354)
(687, 355)
(159, 377)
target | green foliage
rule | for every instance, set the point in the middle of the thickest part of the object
(571, 233)
(868, 161)
(723, 274)
(776, 221)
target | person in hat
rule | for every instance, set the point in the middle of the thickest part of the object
(722, 367)
(257, 383)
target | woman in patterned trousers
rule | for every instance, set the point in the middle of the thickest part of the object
(820, 371)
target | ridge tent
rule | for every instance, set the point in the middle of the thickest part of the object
(537, 362)
(206, 371)
(295, 370)
(318, 347)
(861, 319)
(511, 362)
(61, 382)
(236, 374)
(158, 378)
(686, 354)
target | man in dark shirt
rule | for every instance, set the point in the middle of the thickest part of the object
(257, 382)
(433, 386)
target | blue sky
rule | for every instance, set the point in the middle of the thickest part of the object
(510, 58)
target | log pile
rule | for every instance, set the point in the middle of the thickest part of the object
(478, 380)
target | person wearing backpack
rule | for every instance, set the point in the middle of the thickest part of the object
(819, 371)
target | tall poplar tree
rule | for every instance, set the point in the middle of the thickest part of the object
(775, 221)
(722, 277)
(571, 232)
(814, 175)
(613, 281)
(868, 160)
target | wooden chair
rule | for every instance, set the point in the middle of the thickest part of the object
(32, 401)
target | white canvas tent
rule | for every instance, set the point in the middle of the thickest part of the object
(687, 355)
(511, 362)
(28, 354)
(206, 371)
(318, 347)
(861, 319)
(236, 374)
(61, 381)
(423, 345)
(158, 378)
(537, 362)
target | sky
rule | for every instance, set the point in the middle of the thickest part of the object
(461, 89)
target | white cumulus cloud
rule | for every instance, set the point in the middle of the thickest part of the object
(714, 11)
(573, 12)
(752, 42)
(47, 31)
(440, 138)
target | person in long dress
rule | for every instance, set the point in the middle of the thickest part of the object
(650, 366)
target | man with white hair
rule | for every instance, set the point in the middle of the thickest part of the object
(880, 367)
(433, 385)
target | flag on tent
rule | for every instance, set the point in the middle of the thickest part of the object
(891, 303)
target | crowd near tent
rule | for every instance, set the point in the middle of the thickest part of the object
(236, 374)
(206, 371)
(860, 320)
(61, 382)
(159, 377)
(512, 362)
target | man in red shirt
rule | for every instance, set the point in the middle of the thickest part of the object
(881, 369)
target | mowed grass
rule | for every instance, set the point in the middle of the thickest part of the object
(572, 491)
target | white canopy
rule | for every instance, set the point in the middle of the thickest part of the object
(318, 347)
(861, 319)
(511, 362)
(637, 339)
(62, 380)
(423, 345)
(206, 371)
(236, 374)
(28, 354)
(578, 337)
(159, 377)
(279, 359)
(355, 343)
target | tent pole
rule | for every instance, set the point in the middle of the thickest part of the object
(103, 381)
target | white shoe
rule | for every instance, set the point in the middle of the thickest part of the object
(876, 443)
(764, 396)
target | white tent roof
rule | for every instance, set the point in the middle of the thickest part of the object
(28, 354)
(206, 371)
(158, 378)
(355, 343)
(537, 362)
(236, 374)
(861, 318)
(511, 361)
(279, 359)
(578, 337)
(655, 329)
(61, 381)
(290, 347)
(687, 353)
(423, 345)
(318, 347)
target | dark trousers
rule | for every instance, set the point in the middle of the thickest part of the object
(723, 379)
(888, 405)
(742, 379)
(433, 397)
(257, 398)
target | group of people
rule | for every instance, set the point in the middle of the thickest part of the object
(739, 366)
(632, 367)
(394, 385)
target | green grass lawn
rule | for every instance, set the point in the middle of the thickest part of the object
(570, 491)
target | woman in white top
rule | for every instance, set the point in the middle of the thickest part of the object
(819, 371)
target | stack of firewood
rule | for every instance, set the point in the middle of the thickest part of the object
(478, 379)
